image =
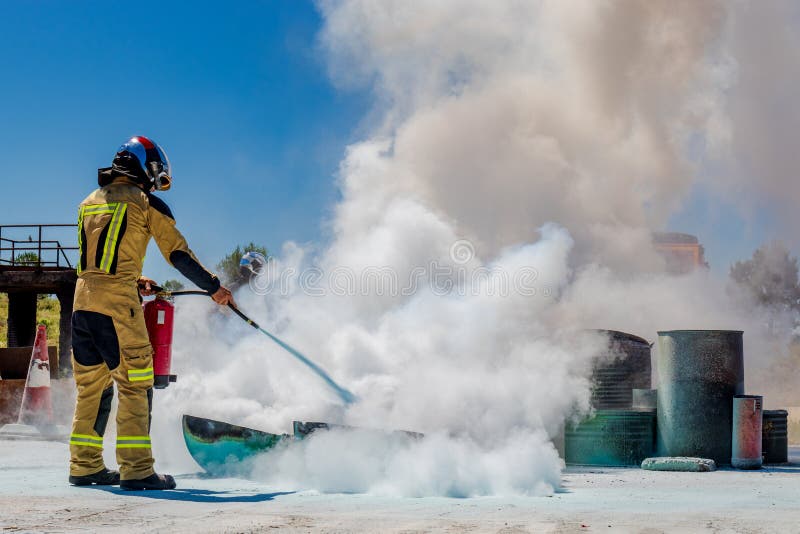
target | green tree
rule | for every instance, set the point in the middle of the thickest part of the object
(26, 258)
(228, 267)
(172, 285)
(770, 277)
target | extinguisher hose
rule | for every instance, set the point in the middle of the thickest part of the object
(346, 396)
(168, 293)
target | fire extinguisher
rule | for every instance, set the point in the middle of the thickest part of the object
(159, 315)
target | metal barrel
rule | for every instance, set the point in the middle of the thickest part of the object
(611, 438)
(644, 399)
(746, 437)
(699, 372)
(774, 437)
(625, 365)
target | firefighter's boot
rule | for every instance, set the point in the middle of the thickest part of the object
(153, 482)
(104, 477)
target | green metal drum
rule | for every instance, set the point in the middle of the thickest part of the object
(611, 438)
(775, 442)
(699, 372)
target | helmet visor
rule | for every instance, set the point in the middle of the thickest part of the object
(163, 179)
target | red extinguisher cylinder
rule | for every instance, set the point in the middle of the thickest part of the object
(159, 316)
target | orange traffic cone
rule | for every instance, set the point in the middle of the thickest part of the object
(36, 411)
(37, 405)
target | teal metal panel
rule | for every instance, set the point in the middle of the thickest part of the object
(611, 438)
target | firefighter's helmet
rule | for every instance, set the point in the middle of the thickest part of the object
(144, 161)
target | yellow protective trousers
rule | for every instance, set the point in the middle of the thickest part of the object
(110, 345)
(109, 338)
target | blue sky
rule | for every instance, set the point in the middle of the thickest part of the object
(239, 96)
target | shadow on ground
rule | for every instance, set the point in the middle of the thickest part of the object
(791, 467)
(196, 495)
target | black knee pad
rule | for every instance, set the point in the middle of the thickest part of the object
(94, 339)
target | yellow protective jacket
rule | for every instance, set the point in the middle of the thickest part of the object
(115, 224)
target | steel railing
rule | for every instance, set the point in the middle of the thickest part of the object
(35, 251)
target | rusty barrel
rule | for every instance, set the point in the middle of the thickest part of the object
(774, 437)
(624, 366)
(699, 372)
(746, 436)
(611, 438)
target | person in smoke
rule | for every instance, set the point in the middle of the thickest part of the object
(109, 339)
(251, 264)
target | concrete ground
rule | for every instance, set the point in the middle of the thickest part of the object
(35, 497)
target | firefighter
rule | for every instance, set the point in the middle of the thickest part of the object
(109, 338)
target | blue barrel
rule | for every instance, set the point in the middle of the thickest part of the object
(746, 437)
(775, 437)
(611, 438)
(699, 372)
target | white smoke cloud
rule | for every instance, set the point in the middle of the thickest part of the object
(474, 368)
(759, 171)
(507, 115)
(438, 465)
(551, 135)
